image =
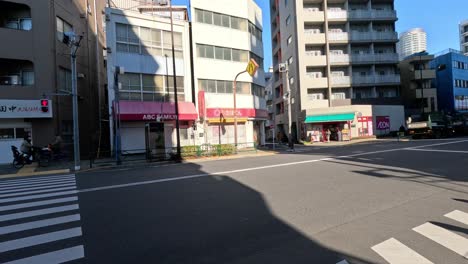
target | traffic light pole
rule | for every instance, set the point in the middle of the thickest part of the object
(76, 131)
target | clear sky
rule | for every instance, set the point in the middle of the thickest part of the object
(439, 19)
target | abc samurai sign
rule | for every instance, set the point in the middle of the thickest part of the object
(383, 123)
(24, 109)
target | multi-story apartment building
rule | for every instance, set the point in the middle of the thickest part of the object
(226, 35)
(139, 41)
(35, 64)
(464, 36)
(411, 41)
(339, 53)
(451, 80)
(418, 84)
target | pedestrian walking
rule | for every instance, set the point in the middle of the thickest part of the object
(340, 135)
(328, 135)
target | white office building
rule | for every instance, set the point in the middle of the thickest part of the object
(411, 41)
(139, 40)
(226, 35)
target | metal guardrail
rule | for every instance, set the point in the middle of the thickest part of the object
(155, 155)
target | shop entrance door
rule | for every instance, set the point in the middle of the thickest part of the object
(154, 138)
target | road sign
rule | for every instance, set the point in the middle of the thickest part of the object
(252, 67)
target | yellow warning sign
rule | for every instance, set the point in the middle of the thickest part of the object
(252, 67)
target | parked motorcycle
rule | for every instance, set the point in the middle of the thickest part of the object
(19, 159)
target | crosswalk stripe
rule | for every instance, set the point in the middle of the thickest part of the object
(38, 224)
(39, 239)
(37, 196)
(22, 185)
(459, 216)
(59, 256)
(39, 203)
(38, 191)
(396, 252)
(37, 188)
(41, 179)
(39, 212)
(343, 262)
(445, 238)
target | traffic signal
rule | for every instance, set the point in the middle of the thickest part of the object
(44, 105)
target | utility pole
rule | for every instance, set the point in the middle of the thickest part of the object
(70, 39)
(118, 140)
(283, 67)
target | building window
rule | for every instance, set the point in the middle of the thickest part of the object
(222, 53)
(288, 20)
(338, 96)
(147, 41)
(218, 19)
(258, 90)
(149, 87)
(258, 59)
(64, 80)
(225, 87)
(289, 40)
(62, 28)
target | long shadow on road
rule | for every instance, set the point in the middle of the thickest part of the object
(211, 219)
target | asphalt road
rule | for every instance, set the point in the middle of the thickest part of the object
(378, 202)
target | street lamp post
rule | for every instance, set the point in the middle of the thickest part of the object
(284, 68)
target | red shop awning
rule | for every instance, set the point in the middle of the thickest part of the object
(142, 111)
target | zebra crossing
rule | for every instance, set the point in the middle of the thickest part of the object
(40, 220)
(395, 252)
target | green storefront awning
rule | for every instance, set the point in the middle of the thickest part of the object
(330, 118)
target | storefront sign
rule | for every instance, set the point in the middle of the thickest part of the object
(24, 109)
(148, 117)
(383, 123)
(241, 112)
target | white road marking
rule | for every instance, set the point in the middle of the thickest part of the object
(38, 224)
(31, 185)
(459, 216)
(110, 187)
(39, 239)
(396, 252)
(36, 180)
(343, 262)
(439, 144)
(37, 188)
(13, 185)
(445, 238)
(39, 212)
(39, 203)
(38, 191)
(37, 196)
(439, 150)
(59, 256)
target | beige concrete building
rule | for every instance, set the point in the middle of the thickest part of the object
(35, 64)
(339, 53)
(417, 82)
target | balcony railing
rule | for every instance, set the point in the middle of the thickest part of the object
(357, 79)
(362, 58)
(374, 35)
(339, 58)
(337, 36)
(388, 78)
(374, 14)
(337, 14)
(384, 57)
(341, 80)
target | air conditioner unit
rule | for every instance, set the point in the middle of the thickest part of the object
(9, 80)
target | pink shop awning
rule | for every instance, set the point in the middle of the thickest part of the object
(159, 111)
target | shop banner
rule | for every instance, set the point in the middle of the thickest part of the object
(201, 103)
(241, 112)
(383, 122)
(24, 109)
